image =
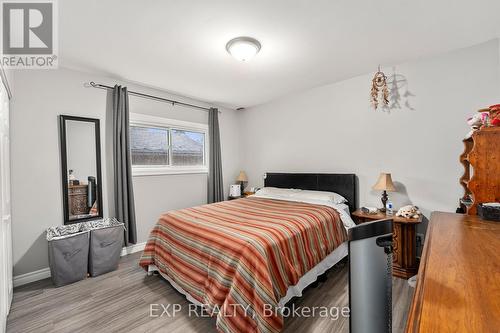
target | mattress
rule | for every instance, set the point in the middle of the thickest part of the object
(241, 258)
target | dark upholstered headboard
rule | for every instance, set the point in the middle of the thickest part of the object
(343, 184)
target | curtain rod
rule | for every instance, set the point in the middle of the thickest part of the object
(138, 94)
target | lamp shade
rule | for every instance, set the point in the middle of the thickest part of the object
(242, 177)
(384, 183)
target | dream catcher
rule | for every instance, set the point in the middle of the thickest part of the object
(379, 87)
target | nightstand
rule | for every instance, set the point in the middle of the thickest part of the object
(404, 256)
(245, 194)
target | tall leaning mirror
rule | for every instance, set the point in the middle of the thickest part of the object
(81, 168)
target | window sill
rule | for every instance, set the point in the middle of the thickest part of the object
(139, 172)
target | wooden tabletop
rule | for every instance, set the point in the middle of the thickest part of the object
(458, 285)
(380, 216)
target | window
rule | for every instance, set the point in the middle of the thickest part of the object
(187, 147)
(149, 145)
(165, 146)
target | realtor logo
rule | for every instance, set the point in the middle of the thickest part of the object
(29, 34)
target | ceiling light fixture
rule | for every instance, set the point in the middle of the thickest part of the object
(243, 48)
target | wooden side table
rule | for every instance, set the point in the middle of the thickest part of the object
(404, 256)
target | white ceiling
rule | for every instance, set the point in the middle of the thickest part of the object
(179, 46)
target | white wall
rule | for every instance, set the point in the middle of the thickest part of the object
(40, 96)
(333, 129)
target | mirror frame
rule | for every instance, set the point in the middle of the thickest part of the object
(64, 167)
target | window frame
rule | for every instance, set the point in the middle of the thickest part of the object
(142, 120)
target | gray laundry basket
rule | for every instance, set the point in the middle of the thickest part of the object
(106, 241)
(68, 253)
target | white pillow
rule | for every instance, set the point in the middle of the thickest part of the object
(275, 191)
(320, 195)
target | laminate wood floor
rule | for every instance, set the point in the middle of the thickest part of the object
(120, 302)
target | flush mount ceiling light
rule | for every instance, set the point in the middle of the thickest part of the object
(243, 48)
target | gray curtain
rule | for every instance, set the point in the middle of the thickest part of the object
(124, 193)
(215, 186)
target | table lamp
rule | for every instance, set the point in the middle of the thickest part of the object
(242, 177)
(385, 184)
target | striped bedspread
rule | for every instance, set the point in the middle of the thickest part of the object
(239, 257)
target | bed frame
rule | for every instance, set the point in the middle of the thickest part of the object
(343, 184)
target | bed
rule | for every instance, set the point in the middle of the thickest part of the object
(244, 259)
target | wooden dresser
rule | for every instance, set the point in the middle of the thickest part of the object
(458, 285)
(481, 161)
(77, 195)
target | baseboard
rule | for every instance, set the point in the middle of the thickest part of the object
(23, 279)
(133, 248)
(44, 273)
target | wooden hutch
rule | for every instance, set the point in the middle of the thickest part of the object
(481, 161)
